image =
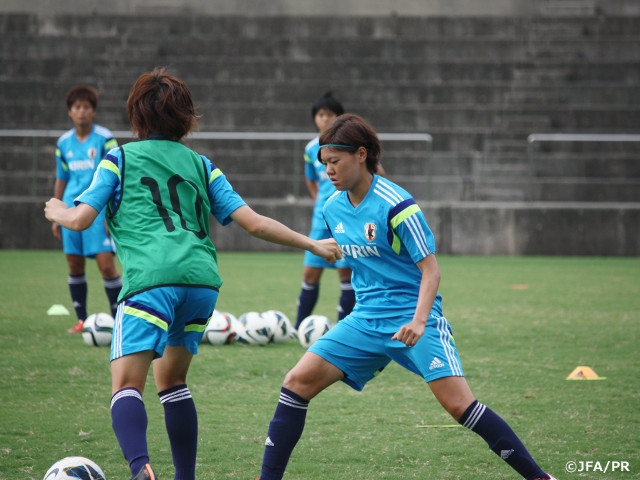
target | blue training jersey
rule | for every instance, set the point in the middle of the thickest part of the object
(106, 188)
(382, 239)
(315, 171)
(77, 161)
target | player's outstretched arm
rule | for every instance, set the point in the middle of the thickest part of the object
(271, 230)
(76, 218)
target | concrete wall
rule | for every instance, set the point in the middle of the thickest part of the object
(279, 7)
(329, 7)
(461, 228)
(478, 84)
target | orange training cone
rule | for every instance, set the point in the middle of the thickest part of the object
(584, 373)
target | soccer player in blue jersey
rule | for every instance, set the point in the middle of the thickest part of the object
(323, 112)
(398, 315)
(78, 152)
(159, 195)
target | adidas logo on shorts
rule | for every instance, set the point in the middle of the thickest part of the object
(435, 363)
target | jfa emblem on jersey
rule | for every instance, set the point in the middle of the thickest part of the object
(370, 231)
(92, 153)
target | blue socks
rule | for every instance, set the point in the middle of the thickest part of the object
(501, 439)
(78, 289)
(284, 432)
(181, 421)
(112, 288)
(129, 422)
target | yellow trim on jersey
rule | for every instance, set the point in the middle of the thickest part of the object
(108, 165)
(135, 312)
(110, 144)
(214, 174)
(397, 220)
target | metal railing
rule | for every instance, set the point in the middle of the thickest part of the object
(296, 137)
(538, 138)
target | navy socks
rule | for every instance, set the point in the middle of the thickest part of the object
(306, 301)
(112, 288)
(181, 421)
(501, 439)
(78, 289)
(284, 432)
(129, 422)
(347, 300)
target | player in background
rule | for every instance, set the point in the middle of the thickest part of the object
(158, 211)
(398, 315)
(323, 112)
(78, 152)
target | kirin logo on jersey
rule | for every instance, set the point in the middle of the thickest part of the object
(370, 231)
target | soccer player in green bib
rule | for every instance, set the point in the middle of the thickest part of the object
(159, 195)
(387, 243)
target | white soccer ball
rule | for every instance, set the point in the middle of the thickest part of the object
(256, 330)
(238, 328)
(204, 336)
(280, 325)
(312, 328)
(97, 329)
(233, 321)
(74, 468)
(219, 330)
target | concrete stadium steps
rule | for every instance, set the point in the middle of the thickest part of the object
(479, 86)
(468, 228)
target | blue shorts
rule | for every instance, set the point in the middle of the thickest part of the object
(153, 319)
(311, 260)
(89, 242)
(362, 348)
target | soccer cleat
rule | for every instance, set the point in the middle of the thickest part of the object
(77, 328)
(550, 477)
(145, 473)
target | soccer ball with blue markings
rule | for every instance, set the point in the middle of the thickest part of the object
(256, 330)
(279, 324)
(97, 330)
(312, 328)
(74, 468)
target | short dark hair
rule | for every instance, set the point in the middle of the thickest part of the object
(350, 132)
(82, 92)
(161, 104)
(328, 102)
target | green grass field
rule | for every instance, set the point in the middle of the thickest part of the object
(522, 324)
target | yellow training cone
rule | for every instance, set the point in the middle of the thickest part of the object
(584, 373)
(57, 309)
